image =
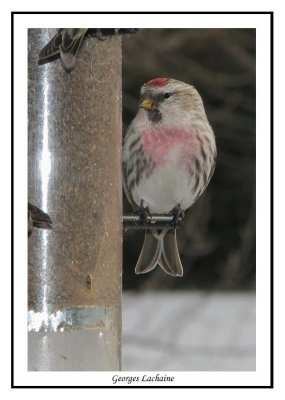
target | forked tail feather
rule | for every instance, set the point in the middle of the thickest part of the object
(160, 247)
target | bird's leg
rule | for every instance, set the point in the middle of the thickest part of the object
(142, 211)
(178, 215)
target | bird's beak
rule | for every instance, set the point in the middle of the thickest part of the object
(147, 104)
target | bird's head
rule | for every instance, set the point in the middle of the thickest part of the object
(166, 99)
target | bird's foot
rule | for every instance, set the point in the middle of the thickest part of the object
(142, 212)
(178, 215)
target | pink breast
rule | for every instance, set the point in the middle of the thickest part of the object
(160, 144)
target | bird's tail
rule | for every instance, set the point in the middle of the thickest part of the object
(160, 247)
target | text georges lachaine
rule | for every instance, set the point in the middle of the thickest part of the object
(142, 378)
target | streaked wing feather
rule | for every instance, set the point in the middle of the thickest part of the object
(126, 189)
(50, 52)
(70, 46)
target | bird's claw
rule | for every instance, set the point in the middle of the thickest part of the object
(178, 215)
(142, 212)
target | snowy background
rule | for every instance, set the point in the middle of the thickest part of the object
(188, 331)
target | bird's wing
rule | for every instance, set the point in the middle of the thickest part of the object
(51, 50)
(126, 189)
(64, 44)
(71, 42)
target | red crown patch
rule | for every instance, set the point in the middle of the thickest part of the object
(158, 82)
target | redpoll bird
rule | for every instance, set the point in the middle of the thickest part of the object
(67, 42)
(169, 155)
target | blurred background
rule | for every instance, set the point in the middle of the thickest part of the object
(217, 241)
(207, 320)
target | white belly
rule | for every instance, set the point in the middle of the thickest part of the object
(167, 187)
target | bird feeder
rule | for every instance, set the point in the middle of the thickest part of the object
(74, 157)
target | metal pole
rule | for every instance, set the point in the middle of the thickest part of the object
(154, 221)
(74, 278)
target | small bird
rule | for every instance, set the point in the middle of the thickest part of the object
(169, 156)
(37, 218)
(67, 42)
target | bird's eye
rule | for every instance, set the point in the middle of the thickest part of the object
(166, 95)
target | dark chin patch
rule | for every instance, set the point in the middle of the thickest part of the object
(154, 115)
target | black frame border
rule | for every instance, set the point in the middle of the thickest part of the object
(271, 386)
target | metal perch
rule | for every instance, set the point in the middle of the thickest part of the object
(154, 221)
